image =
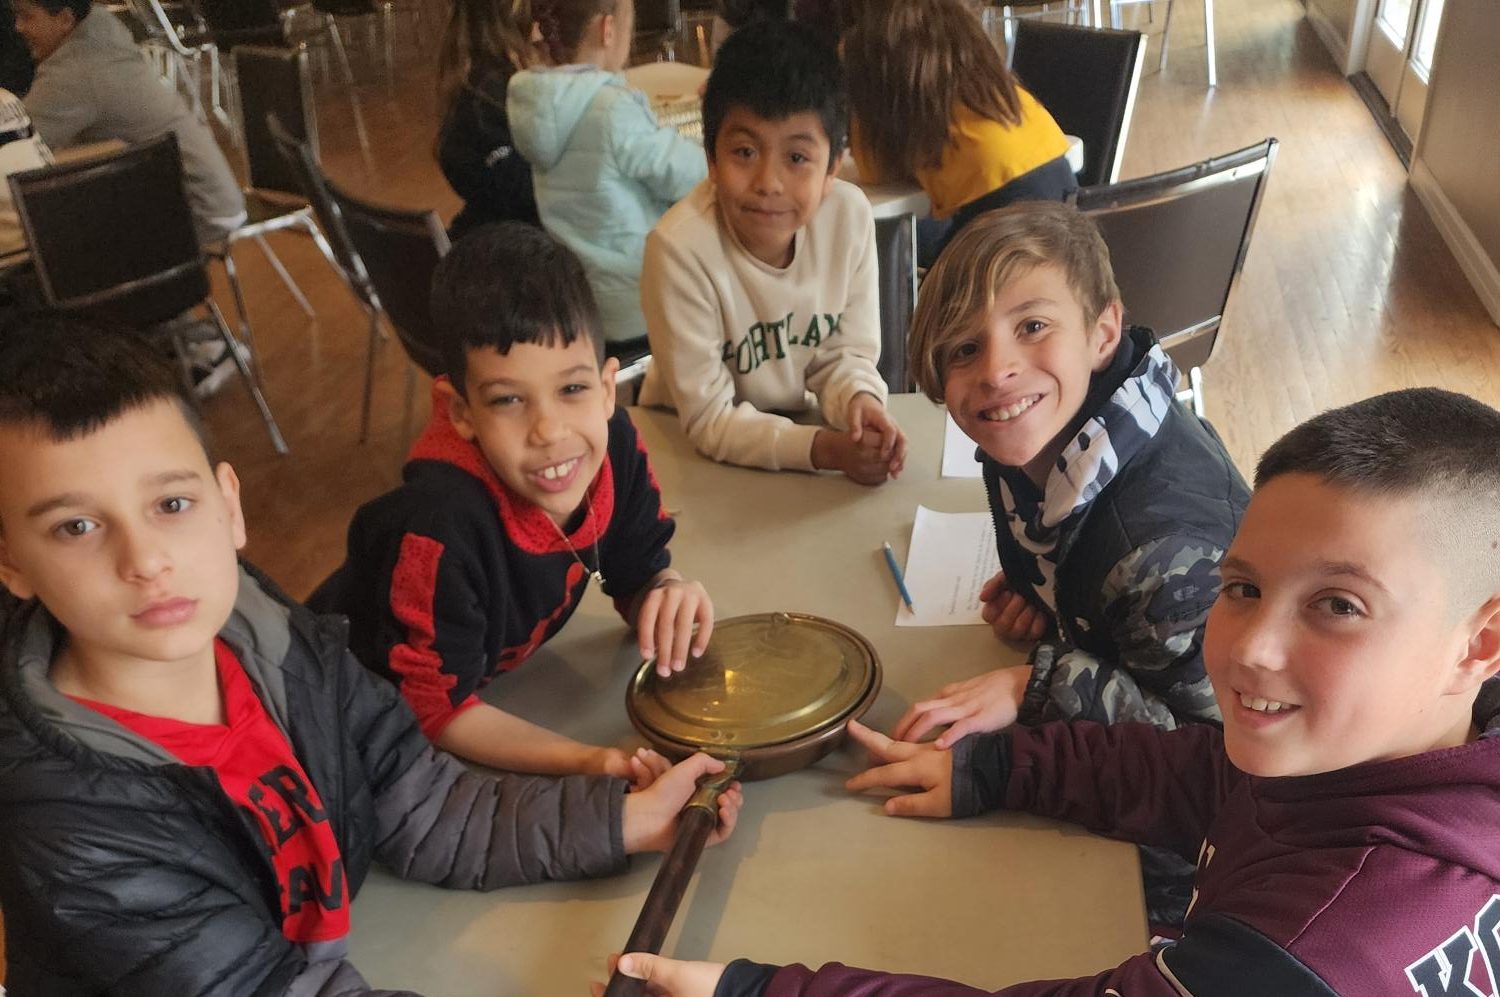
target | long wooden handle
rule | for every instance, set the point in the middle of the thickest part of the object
(694, 825)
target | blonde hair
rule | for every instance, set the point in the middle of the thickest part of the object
(908, 65)
(988, 254)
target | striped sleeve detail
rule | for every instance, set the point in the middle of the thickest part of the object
(415, 661)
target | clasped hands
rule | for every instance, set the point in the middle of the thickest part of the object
(872, 449)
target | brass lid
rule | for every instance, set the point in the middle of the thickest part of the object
(765, 679)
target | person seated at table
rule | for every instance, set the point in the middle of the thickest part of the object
(760, 287)
(92, 85)
(605, 170)
(931, 99)
(487, 42)
(526, 483)
(20, 150)
(197, 773)
(1343, 820)
(1112, 502)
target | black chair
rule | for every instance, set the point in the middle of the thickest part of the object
(399, 249)
(303, 163)
(1087, 78)
(271, 80)
(896, 250)
(113, 236)
(658, 24)
(1178, 241)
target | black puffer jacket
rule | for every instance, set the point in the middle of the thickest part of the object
(124, 872)
(479, 160)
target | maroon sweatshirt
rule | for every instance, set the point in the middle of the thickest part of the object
(1378, 880)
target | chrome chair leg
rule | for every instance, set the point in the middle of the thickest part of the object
(286, 278)
(232, 273)
(374, 346)
(251, 383)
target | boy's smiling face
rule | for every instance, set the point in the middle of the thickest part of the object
(1017, 380)
(125, 533)
(770, 177)
(540, 415)
(1335, 639)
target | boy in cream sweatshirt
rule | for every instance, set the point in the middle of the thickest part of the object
(759, 288)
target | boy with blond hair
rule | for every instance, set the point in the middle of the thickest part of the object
(1343, 821)
(760, 287)
(195, 775)
(526, 485)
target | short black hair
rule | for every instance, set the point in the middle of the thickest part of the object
(1433, 446)
(509, 283)
(71, 376)
(80, 8)
(1397, 443)
(775, 69)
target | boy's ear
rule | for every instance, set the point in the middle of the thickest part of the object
(10, 575)
(1482, 660)
(835, 161)
(229, 487)
(607, 374)
(458, 409)
(1108, 328)
(607, 27)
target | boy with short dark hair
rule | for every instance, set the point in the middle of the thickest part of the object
(1343, 821)
(196, 774)
(760, 287)
(526, 484)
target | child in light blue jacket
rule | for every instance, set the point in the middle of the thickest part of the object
(604, 169)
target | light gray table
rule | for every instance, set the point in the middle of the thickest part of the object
(813, 874)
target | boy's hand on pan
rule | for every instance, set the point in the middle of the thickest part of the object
(984, 703)
(670, 608)
(922, 769)
(646, 766)
(650, 820)
(666, 977)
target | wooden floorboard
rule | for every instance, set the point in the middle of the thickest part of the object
(1348, 289)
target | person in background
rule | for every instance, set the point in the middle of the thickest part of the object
(20, 150)
(487, 42)
(930, 98)
(605, 169)
(93, 85)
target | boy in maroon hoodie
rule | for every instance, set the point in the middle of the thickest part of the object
(1344, 822)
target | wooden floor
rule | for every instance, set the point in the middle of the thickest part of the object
(1348, 289)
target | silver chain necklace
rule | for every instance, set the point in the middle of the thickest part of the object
(595, 573)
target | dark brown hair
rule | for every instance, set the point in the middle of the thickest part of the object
(908, 64)
(484, 35)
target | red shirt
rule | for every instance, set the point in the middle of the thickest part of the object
(258, 770)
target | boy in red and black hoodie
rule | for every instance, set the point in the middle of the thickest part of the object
(526, 484)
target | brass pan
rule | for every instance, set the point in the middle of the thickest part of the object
(774, 692)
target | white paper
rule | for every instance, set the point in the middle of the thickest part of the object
(958, 451)
(952, 555)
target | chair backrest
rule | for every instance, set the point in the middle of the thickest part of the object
(658, 15)
(1087, 78)
(896, 252)
(400, 249)
(313, 185)
(1178, 241)
(114, 235)
(242, 22)
(274, 81)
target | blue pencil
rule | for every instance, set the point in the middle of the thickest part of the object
(890, 562)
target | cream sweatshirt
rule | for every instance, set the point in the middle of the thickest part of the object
(735, 341)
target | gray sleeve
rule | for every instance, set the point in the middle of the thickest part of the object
(336, 978)
(440, 822)
(61, 104)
